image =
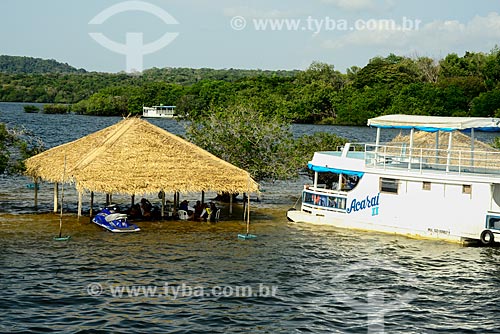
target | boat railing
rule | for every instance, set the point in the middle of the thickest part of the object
(324, 199)
(428, 159)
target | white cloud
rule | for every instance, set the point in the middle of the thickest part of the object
(249, 12)
(358, 5)
(437, 36)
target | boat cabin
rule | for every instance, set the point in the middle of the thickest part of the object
(437, 189)
(159, 111)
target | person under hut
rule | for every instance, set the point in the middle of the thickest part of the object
(146, 208)
(198, 209)
(208, 213)
(135, 211)
(185, 206)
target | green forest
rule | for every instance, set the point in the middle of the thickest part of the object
(467, 85)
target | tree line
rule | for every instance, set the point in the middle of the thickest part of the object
(18, 64)
(453, 86)
(244, 116)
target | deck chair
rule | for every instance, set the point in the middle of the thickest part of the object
(183, 215)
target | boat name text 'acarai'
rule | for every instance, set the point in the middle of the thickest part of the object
(363, 204)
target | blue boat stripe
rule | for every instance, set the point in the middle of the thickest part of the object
(334, 170)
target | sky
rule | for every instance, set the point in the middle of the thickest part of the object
(115, 36)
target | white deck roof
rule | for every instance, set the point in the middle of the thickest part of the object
(435, 123)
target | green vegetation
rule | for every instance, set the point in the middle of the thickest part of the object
(16, 65)
(454, 86)
(29, 108)
(262, 145)
(15, 146)
(243, 116)
(55, 109)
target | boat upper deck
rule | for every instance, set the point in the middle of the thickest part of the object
(401, 157)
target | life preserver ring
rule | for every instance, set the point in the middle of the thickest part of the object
(487, 238)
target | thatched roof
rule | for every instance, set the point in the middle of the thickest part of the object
(136, 157)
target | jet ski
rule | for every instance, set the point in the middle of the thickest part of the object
(113, 221)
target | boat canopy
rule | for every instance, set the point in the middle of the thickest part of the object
(323, 169)
(435, 123)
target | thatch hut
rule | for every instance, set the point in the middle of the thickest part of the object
(136, 157)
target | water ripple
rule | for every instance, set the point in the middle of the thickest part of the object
(327, 280)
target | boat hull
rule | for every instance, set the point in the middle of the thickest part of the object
(430, 205)
(341, 221)
(159, 116)
(414, 187)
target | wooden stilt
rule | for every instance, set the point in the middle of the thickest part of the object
(91, 213)
(162, 204)
(56, 197)
(79, 204)
(178, 201)
(230, 205)
(35, 181)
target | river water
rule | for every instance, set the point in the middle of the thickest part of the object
(175, 277)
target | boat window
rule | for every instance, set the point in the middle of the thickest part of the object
(328, 180)
(467, 189)
(324, 200)
(493, 222)
(350, 182)
(389, 185)
(307, 198)
(426, 185)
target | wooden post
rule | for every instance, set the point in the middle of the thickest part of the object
(230, 205)
(162, 204)
(176, 201)
(132, 199)
(91, 204)
(56, 197)
(79, 204)
(35, 181)
(203, 197)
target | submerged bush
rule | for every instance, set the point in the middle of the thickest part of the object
(55, 109)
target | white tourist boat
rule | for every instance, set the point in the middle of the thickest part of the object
(159, 112)
(436, 192)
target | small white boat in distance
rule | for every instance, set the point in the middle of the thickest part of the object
(437, 192)
(159, 112)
